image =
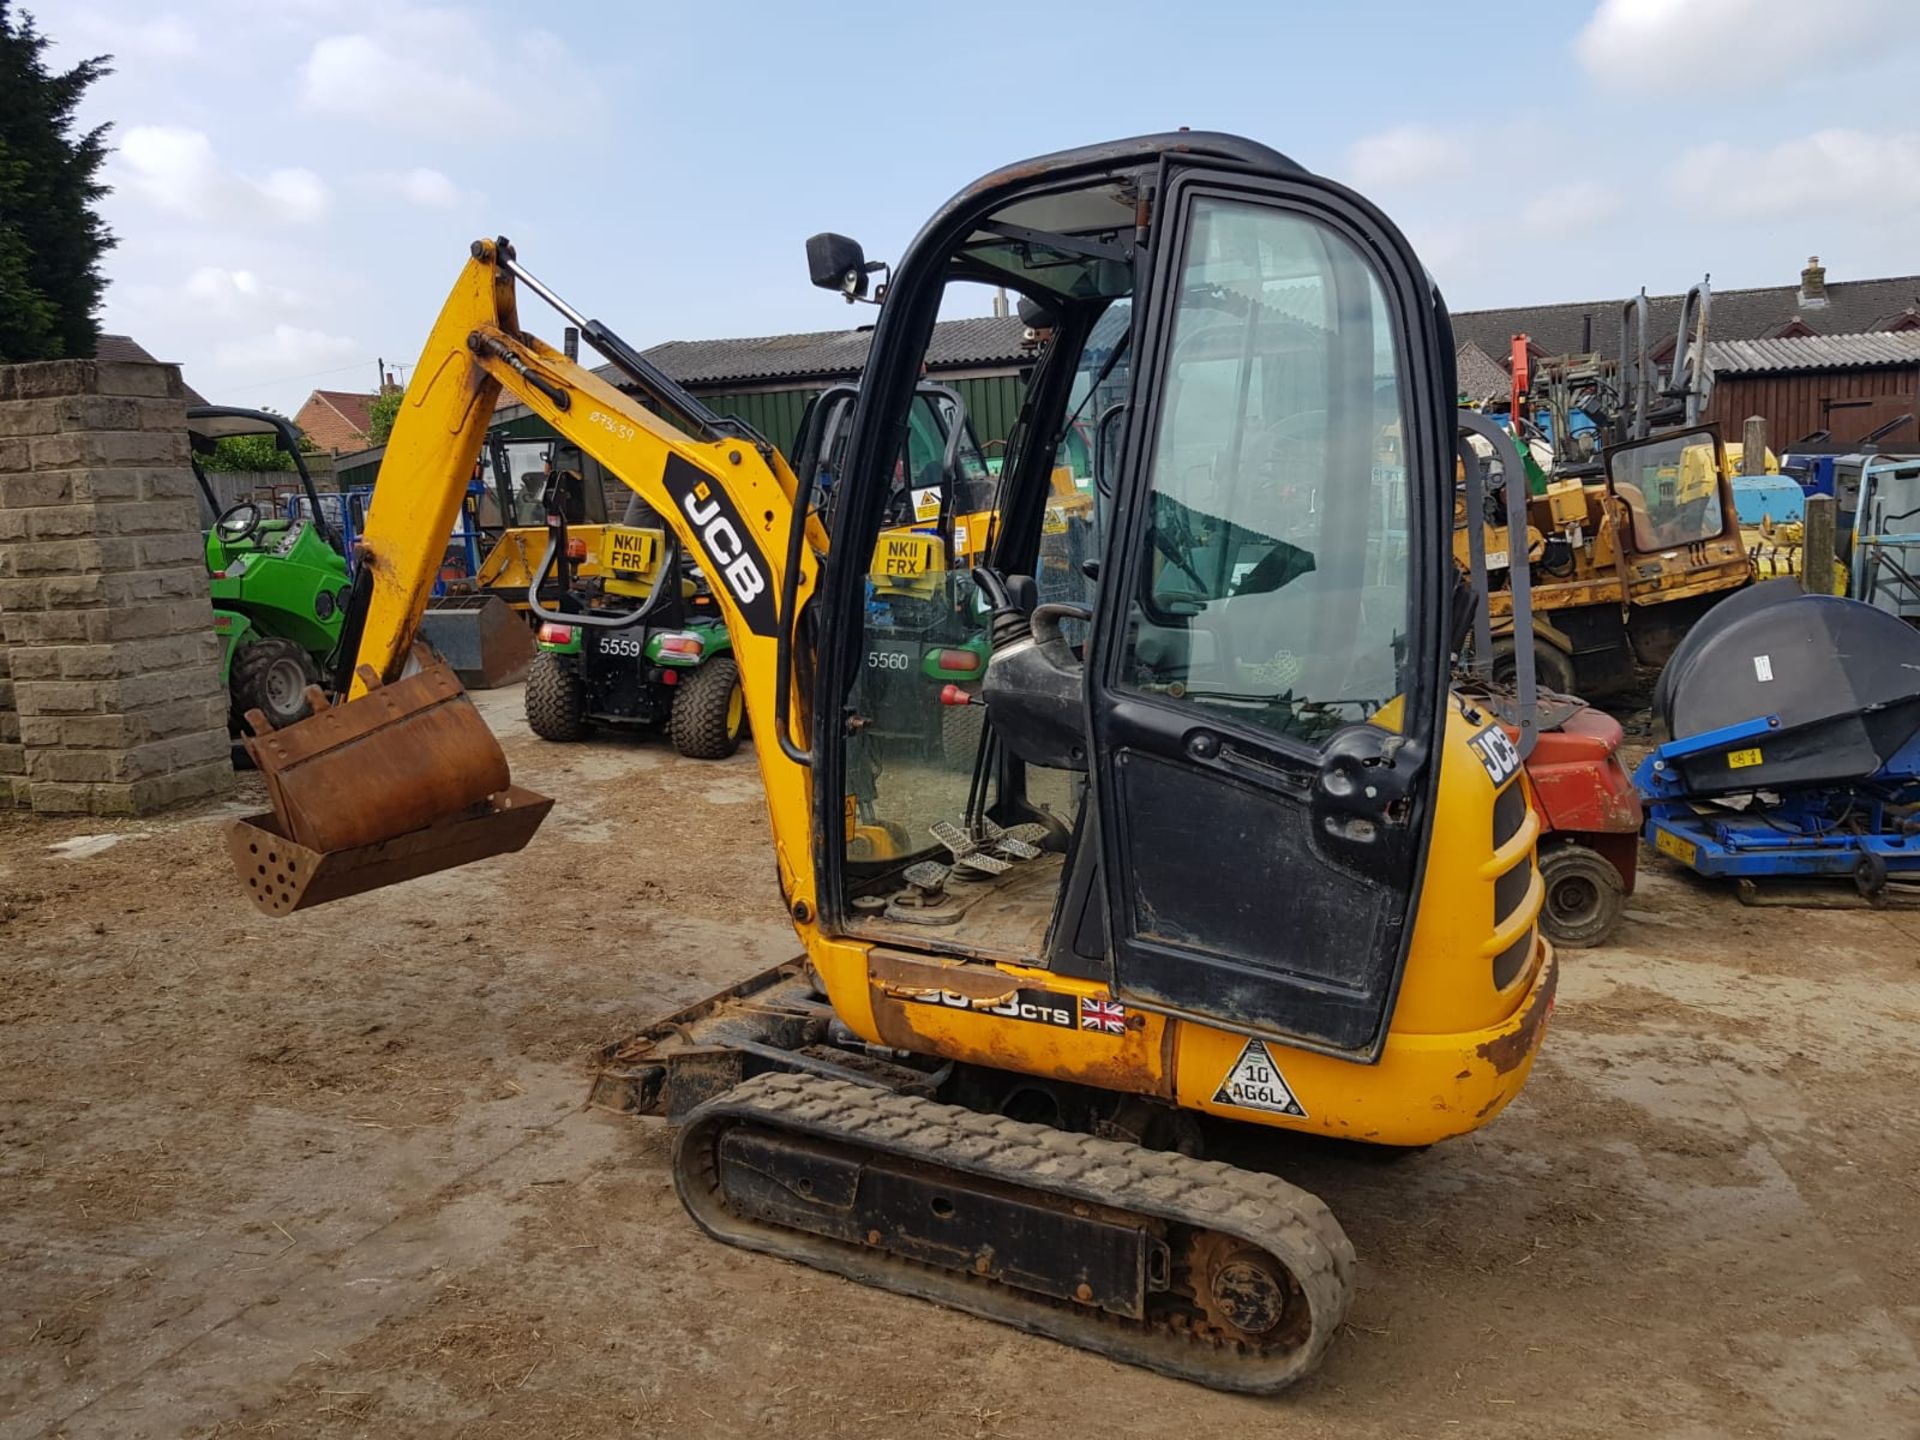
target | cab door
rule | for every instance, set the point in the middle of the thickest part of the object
(1267, 671)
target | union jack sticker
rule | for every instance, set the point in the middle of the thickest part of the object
(1109, 1017)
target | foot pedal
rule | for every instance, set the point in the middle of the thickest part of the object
(959, 844)
(929, 877)
(1014, 842)
(983, 863)
(967, 854)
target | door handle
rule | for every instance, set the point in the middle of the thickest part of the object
(1362, 798)
(1209, 749)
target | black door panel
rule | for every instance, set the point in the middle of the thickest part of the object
(1267, 664)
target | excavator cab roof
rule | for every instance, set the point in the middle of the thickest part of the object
(1060, 244)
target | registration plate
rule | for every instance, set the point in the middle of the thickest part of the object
(630, 551)
(906, 555)
(1685, 851)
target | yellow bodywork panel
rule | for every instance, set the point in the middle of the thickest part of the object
(1458, 1048)
(510, 565)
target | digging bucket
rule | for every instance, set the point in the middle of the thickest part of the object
(487, 641)
(404, 781)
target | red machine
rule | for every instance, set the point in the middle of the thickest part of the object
(1589, 820)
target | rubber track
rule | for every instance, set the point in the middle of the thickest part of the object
(1262, 1210)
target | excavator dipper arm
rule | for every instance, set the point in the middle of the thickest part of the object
(406, 757)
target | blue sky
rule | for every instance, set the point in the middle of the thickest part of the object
(296, 181)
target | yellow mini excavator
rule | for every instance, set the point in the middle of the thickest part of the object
(1227, 846)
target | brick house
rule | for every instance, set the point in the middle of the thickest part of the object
(336, 420)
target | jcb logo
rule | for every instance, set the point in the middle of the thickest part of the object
(723, 543)
(725, 540)
(1496, 753)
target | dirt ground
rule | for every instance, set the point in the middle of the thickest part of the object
(331, 1175)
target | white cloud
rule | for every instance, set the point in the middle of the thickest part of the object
(1651, 44)
(1875, 177)
(1409, 155)
(176, 170)
(1574, 209)
(238, 294)
(435, 71)
(286, 350)
(358, 75)
(420, 186)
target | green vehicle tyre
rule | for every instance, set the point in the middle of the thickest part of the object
(709, 711)
(271, 675)
(556, 699)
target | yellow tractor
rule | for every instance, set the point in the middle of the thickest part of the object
(1228, 849)
(1633, 533)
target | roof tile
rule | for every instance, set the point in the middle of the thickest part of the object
(824, 354)
(1814, 352)
(1853, 307)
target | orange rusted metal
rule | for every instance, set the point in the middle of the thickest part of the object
(283, 876)
(401, 782)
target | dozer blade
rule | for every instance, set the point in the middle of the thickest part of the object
(402, 782)
(483, 638)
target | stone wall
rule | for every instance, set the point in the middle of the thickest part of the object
(106, 631)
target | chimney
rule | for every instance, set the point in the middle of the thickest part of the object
(570, 342)
(1813, 284)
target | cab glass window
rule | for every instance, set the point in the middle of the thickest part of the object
(1671, 487)
(1274, 583)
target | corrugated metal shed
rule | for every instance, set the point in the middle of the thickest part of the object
(980, 342)
(1845, 385)
(1850, 307)
(993, 403)
(1814, 352)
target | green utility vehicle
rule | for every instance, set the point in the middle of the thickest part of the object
(280, 583)
(639, 641)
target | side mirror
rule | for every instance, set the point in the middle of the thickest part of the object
(1036, 316)
(835, 262)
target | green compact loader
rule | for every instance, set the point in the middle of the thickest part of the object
(280, 582)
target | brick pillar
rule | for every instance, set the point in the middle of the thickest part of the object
(13, 755)
(104, 615)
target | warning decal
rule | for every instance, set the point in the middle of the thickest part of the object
(1255, 1083)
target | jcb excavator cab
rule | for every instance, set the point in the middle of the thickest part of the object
(1258, 685)
(1225, 845)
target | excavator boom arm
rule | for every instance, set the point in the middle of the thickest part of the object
(729, 500)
